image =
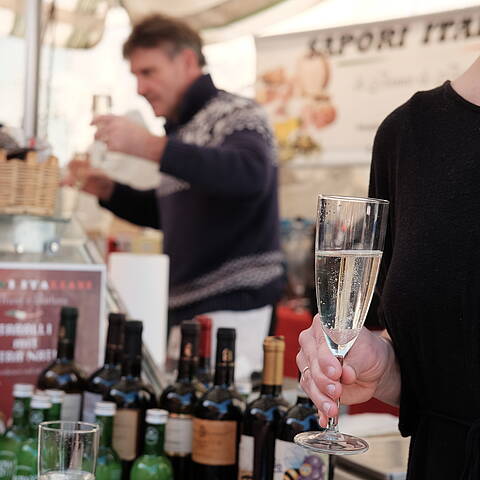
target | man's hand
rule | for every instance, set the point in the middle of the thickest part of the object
(90, 180)
(122, 135)
(369, 370)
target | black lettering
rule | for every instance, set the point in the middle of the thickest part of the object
(365, 41)
(444, 27)
(344, 41)
(464, 28)
(428, 31)
(403, 35)
(386, 38)
(329, 46)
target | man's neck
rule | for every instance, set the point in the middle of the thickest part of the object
(467, 85)
(175, 116)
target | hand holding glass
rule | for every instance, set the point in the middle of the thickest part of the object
(348, 249)
(67, 450)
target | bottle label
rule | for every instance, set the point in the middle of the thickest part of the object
(292, 461)
(71, 407)
(178, 435)
(214, 442)
(125, 433)
(25, 472)
(8, 463)
(245, 458)
(89, 402)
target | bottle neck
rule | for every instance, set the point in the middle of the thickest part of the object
(37, 416)
(302, 399)
(224, 374)
(132, 366)
(187, 368)
(113, 356)
(154, 438)
(204, 364)
(271, 390)
(225, 362)
(272, 379)
(54, 413)
(20, 413)
(106, 430)
(66, 350)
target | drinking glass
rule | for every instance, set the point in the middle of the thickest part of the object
(350, 234)
(101, 105)
(67, 450)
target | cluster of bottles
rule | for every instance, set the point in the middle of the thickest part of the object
(199, 428)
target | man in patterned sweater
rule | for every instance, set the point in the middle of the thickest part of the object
(217, 201)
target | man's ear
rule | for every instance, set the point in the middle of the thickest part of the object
(191, 59)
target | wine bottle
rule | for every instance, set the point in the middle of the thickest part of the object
(204, 370)
(218, 418)
(102, 380)
(11, 440)
(263, 416)
(27, 457)
(292, 461)
(133, 397)
(63, 373)
(108, 462)
(153, 464)
(179, 400)
(56, 397)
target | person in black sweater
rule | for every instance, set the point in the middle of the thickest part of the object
(426, 163)
(217, 201)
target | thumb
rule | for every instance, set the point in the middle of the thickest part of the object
(349, 374)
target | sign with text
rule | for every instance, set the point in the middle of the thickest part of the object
(327, 91)
(31, 296)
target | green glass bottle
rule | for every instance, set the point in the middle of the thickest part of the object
(12, 439)
(56, 397)
(108, 462)
(28, 454)
(153, 464)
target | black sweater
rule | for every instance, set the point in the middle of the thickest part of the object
(218, 210)
(426, 161)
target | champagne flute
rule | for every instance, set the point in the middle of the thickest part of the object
(348, 249)
(101, 105)
(67, 450)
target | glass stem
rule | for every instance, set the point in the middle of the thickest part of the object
(332, 425)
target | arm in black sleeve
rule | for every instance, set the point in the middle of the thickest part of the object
(242, 166)
(136, 206)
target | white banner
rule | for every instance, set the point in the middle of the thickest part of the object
(327, 91)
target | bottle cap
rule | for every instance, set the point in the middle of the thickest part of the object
(56, 396)
(40, 401)
(105, 409)
(190, 327)
(22, 390)
(116, 318)
(274, 344)
(226, 333)
(70, 312)
(156, 416)
(204, 321)
(133, 326)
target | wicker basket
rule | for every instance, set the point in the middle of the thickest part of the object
(27, 186)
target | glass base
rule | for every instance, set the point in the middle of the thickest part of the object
(333, 443)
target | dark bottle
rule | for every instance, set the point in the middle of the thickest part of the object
(204, 370)
(218, 418)
(103, 379)
(292, 461)
(263, 416)
(133, 398)
(63, 373)
(180, 400)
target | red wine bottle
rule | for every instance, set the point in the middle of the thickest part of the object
(133, 398)
(63, 373)
(180, 400)
(263, 416)
(102, 380)
(218, 418)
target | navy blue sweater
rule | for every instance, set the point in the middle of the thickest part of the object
(217, 205)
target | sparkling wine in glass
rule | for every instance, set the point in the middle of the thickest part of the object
(101, 105)
(348, 250)
(67, 450)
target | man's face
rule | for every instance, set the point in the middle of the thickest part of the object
(161, 78)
